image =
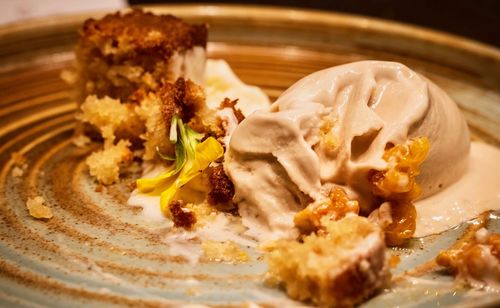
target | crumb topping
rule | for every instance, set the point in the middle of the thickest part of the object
(37, 208)
(228, 103)
(105, 164)
(126, 52)
(137, 33)
(222, 190)
(227, 251)
(181, 216)
(184, 98)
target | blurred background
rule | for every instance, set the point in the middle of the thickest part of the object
(475, 19)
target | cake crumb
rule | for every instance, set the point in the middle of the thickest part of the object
(69, 76)
(109, 116)
(80, 141)
(105, 164)
(181, 216)
(223, 252)
(18, 172)
(20, 164)
(38, 209)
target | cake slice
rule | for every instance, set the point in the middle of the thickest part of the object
(121, 53)
(339, 266)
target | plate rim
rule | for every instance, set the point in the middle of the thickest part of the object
(277, 13)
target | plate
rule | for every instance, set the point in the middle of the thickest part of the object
(97, 251)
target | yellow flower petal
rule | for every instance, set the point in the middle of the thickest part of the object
(206, 152)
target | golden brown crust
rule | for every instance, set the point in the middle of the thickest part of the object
(182, 218)
(227, 103)
(340, 267)
(139, 33)
(120, 53)
(184, 98)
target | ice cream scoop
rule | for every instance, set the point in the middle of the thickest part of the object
(332, 128)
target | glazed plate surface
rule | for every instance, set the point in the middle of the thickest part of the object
(97, 251)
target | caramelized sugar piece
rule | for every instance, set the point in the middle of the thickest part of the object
(398, 185)
(494, 242)
(337, 206)
(403, 223)
(398, 182)
(228, 103)
(476, 262)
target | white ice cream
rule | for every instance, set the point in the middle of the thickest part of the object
(279, 159)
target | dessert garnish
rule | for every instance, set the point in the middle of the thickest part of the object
(192, 156)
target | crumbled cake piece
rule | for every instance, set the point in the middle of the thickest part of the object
(205, 214)
(181, 216)
(155, 135)
(112, 118)
(228, 103)
(20, 164)
(121, 53)
(340, 266)
(223, 252)
(221, 190)
(38, 209)
(184, 98)
(17, 172)
(147, 118)
(476, 262)
(104, 164)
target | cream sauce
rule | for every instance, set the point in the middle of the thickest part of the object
(475, 192)
(220, 82)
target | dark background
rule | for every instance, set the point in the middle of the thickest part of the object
(476, 19)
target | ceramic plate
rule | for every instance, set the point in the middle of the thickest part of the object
(97, 251)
